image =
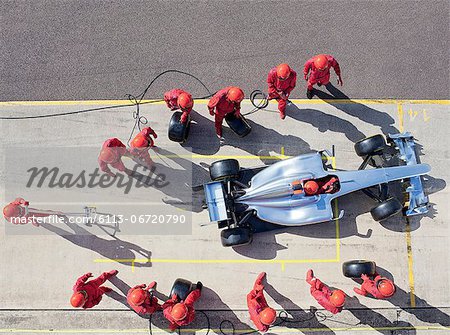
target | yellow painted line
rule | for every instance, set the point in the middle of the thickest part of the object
(412, 295)
(400, 116)
(215, 330)
(214, 261)
(246, 101)
(336, 213)
(250, 157)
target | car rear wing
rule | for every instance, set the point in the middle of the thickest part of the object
(418, 201)
(215, 200)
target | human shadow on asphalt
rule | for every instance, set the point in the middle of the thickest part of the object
(324, 122)
(202, 136)
(358, 110)
(299, 318)
(123, 288)
(375, 320)
(423, 310)
(178, 180)
(112, 249)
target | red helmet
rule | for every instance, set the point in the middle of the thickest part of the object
(235, 94)
(386, 287)
(283, 71)
(321, 62)
(185, 100)
(311, 187)
(137, 296)
(139, 142)
(179, 311)
(12, 211)
(109, 155)
(267, 316)
(337, 298)
(78, 299)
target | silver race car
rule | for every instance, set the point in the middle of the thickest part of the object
(300, 190)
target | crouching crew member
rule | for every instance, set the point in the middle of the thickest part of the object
(140, 145)
(88, 294)
(179, 99)
(181, 313)
(330, 300)
(260, 313)
(111, 154)
(224, 102)
(379, 287)
(142, 301)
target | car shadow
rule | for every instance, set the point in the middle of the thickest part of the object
(358, 110)
(261, 139)
(294, 316)
(376, 320)
(324, 122)
(111, 249)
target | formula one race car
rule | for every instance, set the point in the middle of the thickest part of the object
(279, 194)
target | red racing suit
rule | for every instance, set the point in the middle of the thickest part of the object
(171, 99)
(276, 85)
(256, 302)
(121, 150)
(322, 294)
(142, 152)
(320, 77)
(21, 205)
(222, 107)
(148, 307)
(93, 288)
(189, 302)
(370, 286)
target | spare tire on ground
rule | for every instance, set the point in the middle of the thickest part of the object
(226, 168)
(182, 287)
(179, 132)
(369, 146)
(233, 237)
(355, 268)
(238, 124)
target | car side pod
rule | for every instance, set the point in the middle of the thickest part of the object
(418, 201)
(179, 132)
(239, 125)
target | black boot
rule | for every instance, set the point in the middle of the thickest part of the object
(309, 94)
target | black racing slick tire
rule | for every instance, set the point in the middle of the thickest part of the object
(369, 146)
(355, 268)
(227, 168)
(386, 209)
(238, 125)
(233, 237)
(182, 288)
(178, 132)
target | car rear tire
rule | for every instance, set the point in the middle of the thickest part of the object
(386, 209)
(178, 132)
(227, 168)
(182, 287)
(369, 146)
(355, 268)
(238, 125)
(233, 237)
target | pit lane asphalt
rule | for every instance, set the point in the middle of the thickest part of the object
(72, 50)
